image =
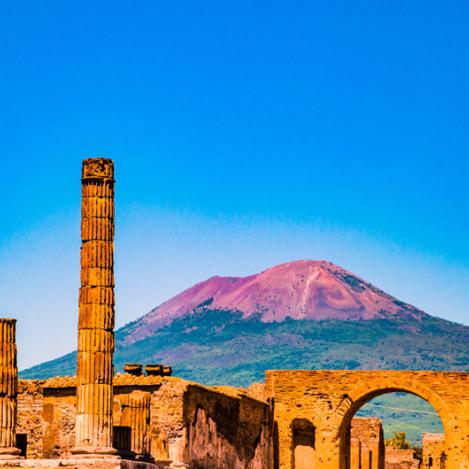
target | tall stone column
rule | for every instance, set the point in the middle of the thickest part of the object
(8, 389)
(96, 311)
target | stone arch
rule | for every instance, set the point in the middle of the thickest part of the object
(364, 391)
(330, 398)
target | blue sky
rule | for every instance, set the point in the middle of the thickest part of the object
(244, 134)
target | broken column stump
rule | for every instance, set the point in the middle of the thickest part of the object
(8, 389)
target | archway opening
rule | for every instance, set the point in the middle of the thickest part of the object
(391, 430)
(304, 444)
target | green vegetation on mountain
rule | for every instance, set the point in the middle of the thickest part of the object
(219, 347)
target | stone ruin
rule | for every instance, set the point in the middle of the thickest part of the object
(401, 459)
(146, 418)
(433, 451)
(366, 443)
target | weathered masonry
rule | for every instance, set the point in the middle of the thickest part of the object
(433, 451)
(326, 401)
(96, 311)
(159, 419)
(8, 389)
(366, 443)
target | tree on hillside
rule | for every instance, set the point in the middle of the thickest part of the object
(398, 440)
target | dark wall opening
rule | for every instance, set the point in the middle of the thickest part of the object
(304, 444)
(22, 443)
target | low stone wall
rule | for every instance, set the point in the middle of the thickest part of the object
(47, 408)
(30, 416)
(212, 427)
(226, 431)
(433, 451)
(400, 459)
(177, 423)
(366, 443)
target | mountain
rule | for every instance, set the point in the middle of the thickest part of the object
(301, 290)
(299, 315)
(303, 314)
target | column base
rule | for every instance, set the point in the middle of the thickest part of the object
(9, 453)
(125, 454)
(94, 452)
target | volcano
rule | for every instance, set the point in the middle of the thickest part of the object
(299, 290)
(298, 315)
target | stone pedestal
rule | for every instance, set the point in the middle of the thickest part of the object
(96, 311)
(8, 389)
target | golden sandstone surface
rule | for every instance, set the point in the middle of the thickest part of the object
(328, 400)
(8, 389)
(433, 451)
(366, 443)
(96, 310)
(296, 420)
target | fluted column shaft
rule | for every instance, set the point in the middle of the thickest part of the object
(8, 389)
(96, 310)
(136, 415)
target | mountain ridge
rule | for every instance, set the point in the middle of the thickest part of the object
(303, 289)
(350, 324)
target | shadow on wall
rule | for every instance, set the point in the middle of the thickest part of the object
(226, 432)
(304, 444)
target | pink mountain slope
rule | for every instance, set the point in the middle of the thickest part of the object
(312, 290)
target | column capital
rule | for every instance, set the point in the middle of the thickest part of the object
(98, 168)
(7, 321)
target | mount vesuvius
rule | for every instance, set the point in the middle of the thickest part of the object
(302, 314)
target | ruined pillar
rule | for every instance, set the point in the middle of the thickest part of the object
(96, 311)
(8, 389)
(136, 416)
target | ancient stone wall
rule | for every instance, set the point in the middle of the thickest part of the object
(167, 423)
(257, 391)
(212, 427)
(400, 459)
(58, 430)
(433, 451)
(30, 419)
(366, 443)
(47, 419)
(224, 431)
(47, 410)
(328, 400)
(177, 422)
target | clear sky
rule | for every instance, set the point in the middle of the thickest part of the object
(244, 134)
